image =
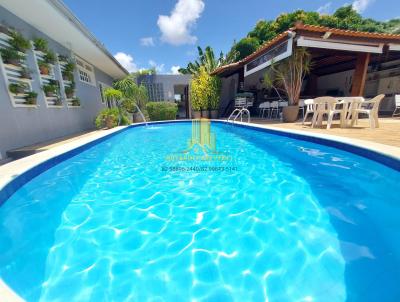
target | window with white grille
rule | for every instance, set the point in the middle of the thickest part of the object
(86, 72)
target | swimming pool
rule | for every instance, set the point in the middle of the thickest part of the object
(277, 219)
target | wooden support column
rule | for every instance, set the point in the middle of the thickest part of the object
(360, 74)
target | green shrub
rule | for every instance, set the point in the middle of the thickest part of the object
(18, 42)
(205, 92)
(161, 111)
(40, 44)
(109, 116)
(50, 57)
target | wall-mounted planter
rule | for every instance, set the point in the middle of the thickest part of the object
(47, 77)
(15, 71)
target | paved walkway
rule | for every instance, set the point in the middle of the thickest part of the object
(388, 132)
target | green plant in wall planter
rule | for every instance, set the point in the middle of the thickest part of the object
(50, 90)
(44, 68)
(25, 73)
(18, 41)
(69, 91)
(76, 102)
(11, 56)
(58, 102)
(31, 98)
(17, 88)
(40, 44)
(68, 72)
(50, 57)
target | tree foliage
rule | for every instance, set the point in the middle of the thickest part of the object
(132, 94)
(245, 47)
(208, 59)
(344, 18)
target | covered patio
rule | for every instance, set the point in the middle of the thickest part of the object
(344, 63)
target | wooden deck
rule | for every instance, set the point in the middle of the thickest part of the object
(388, 132)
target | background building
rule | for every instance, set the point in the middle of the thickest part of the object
(23, 124)
(170, 88)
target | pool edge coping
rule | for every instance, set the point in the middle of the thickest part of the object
(15, 169)
(12, 170)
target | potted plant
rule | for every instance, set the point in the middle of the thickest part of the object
(68, 72)
(69, 67)
(40, 44)
(288, 76)
(44, 68)
(57, 102)
(76, 102)
(69, 92)
(18, 42)
(50, 90)
(110, 121)
(25, 73)
(205, 112)
(17, 88)
(214, 96)
(67, 76)
(49, 57)
(11, 56)
(31, 98)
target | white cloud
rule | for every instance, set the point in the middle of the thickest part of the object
(126, 61)
(175, 69)
(175, 29)
(147, 41)
(158, 67)
(324, 9)
(361, 5)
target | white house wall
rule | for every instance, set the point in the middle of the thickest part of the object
(26, 126)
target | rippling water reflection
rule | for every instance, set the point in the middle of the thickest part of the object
(111, 224)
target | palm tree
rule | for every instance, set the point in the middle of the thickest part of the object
(207, 59)
(134, 96)
(288, 75)
(114, 96)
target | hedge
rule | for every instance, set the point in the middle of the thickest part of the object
(161, 111)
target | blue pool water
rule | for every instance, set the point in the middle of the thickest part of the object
(281, 220)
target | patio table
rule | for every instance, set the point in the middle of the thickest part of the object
(345, 106)
(349, 105)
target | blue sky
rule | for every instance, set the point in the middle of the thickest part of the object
(164, 33)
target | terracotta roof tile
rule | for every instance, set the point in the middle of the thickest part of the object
(309, 28)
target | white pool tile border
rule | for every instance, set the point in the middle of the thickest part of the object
(390, 151)
(11, 170)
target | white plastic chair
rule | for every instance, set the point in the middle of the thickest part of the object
(263, 107)
(240, 102)
(397, 109)
(371, 111)
(323, 105)
(348, 105)
(301, 107)
(309, 104)
(274, 107)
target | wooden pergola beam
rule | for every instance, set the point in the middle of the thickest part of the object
(360, 73)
